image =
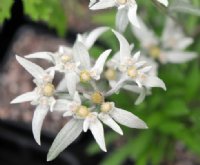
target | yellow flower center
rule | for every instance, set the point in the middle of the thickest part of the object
(65, 58)
(85, 76)
(82, 111)
(122, 2)
(110, 74)
(106, 107)
(48, 90)
(97, 98)
(154, 52)
(132, 72)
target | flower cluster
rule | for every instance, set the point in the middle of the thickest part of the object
(82, 94)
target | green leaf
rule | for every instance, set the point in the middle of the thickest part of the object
(176, 108)
(50, 11)
(5, 7)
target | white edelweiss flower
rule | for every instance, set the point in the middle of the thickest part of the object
(42, 95)
(110, 115)
(87, 72)
(170, 49)
(133, 69)
(83, 119)
(88, 39)
(127, 11)
(64, 62)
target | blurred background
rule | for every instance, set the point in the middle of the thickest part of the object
(173, 117)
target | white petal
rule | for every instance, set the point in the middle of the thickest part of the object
(29, 96)
(164, 2)
(122, 20)
(146, 69)
(132, 15)
(141, 97)
(128, 119)
(117, 86)
(38, 118)
(136, 56)
(92, 2)
(71, 82)
(86, 124)
(106, 119)
(61, 105)
(179, 56)
(65, 50)
(68, 113)
(153, 81)
(97, 131)
(94, 35)
(146, 36)
(125, 51)
(141, 91)
(65, 137)
(35, 70)
(42, 55)
(81, 55)
(99, 65)
(77, 98)
(102, 4)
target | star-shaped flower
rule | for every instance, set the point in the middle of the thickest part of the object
(42, 96)
(170, 49)
(127, 11)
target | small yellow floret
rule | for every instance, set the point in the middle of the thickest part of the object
(154, 52)
(82, 111)
(48, 90)
(85, 76)
(65, 58)
(132, 72)
(122, 2)
(106, 107)
(110, 74)
(97, 98)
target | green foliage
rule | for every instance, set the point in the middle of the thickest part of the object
(5, 7)
(50, 11)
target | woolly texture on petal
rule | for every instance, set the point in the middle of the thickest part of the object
(128, 119)
(35, 70)
(65, 137)
(103, 4)
(38, 118)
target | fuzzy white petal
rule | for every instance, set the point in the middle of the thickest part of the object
(81, 55)
(29, 96)
(103, 4)
(61, 105)
(153, 81)
(132, 15)
(146, 36)
(65, 50)
(71, 82)
(35, 70)
(164, 2)
(125, 51)
(106, 119)
(38, 118)
(86, 124)
(94, 35)
(97, 131)
(77, 98)
(42, 55)
(128, 119)
(179, 56)
(122, 20)
(65, 137)
(99, 65)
